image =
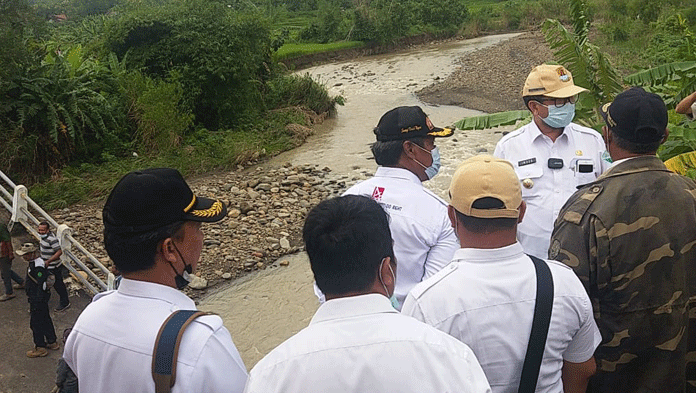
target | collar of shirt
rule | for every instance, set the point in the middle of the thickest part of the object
(615, 163)
(401, 173)
(352, 306)
(537, 135)
(488, 255)
(152, 290)
(39, 262)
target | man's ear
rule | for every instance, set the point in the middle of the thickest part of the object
(166, 249)
(385, 273)
(408, 149)
(523, 209)
(664, 139)
(452, 214)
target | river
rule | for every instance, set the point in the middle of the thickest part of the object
(265, 308)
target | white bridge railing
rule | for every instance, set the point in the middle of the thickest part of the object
(16, 200)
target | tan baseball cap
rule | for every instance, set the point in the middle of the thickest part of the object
(551, 81)
(26, 249)
(486, 176)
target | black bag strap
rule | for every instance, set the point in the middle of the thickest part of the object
(540, 327)
(166, 349)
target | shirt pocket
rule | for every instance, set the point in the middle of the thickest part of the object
(582, 178)
(530, 176)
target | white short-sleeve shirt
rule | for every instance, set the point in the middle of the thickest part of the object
(545, 190)
(361, 344)
(424, 240)
(485, 298)
(110, 346)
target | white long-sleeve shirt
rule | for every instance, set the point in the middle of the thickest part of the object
(110, 346)
(424, 240)
(361, 344)
(546, 190)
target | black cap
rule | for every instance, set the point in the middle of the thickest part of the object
(146, 200)
(636, 116)
(407, 122)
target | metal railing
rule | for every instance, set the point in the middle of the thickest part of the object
(18, 203)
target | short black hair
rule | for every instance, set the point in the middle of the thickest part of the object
(486, 225)
(346, 239)
(45, 223)
(539, 99)
(132, 252)
(633, 147)
(387, 153)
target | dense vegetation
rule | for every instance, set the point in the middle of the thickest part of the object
(90, 89)
(662, 39)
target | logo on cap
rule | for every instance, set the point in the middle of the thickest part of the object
(610, 121)
(212, 211)
(562, 75)
(429, 123)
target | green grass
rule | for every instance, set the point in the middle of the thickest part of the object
(202, 152)
(294, 50)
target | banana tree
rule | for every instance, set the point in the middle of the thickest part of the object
(590, 67)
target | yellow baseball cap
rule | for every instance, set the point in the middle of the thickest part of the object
(551, 81)
(485, 176)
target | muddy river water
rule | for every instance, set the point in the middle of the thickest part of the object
(263, 309)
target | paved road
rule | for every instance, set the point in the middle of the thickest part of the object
(18, 373)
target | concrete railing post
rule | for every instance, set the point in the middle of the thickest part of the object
(19, 205)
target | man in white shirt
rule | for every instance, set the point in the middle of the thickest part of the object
(152, 232)
(356, 341)
(486, 296)
(552, 156)
(405, 151)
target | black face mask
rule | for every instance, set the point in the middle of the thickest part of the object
(181, 280)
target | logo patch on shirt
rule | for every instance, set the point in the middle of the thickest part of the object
(377, 193)
(527, 161)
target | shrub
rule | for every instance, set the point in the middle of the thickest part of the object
(221, 56)
(303, 91)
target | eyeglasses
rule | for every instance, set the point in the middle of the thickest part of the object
(559, 102)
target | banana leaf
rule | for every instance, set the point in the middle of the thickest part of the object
(683, 164)
(661, 74)
(493, 120)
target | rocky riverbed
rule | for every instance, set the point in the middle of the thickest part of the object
(267, 205)
(491, 79)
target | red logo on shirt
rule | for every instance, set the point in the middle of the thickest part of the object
(377, 193)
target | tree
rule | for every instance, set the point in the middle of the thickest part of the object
(221, 57)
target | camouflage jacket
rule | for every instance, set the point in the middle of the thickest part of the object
(630, 236)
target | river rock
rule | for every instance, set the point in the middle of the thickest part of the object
(284, 243)
(198, 282)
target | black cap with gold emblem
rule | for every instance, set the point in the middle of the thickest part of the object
(637, 116)
(407, 122)
(153, 198)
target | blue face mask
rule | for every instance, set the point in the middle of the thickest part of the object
(559, 117)
(434, 168)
